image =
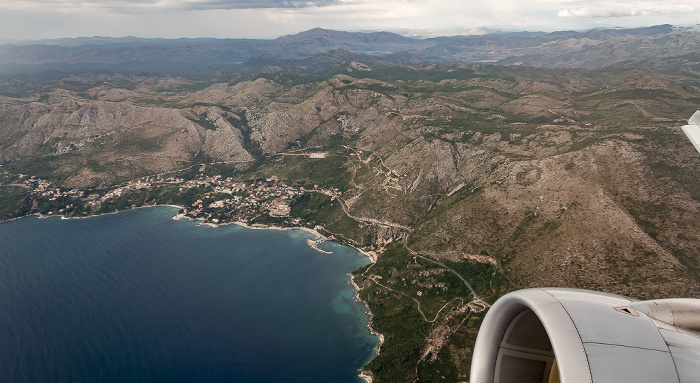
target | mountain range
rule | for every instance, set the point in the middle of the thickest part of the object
(567, 49)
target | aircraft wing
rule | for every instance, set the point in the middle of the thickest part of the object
(692, 130)
(579, 336)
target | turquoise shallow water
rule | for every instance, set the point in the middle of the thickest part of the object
(139, 297)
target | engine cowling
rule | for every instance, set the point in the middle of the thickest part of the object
(567, 335)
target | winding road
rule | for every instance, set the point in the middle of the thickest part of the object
(476, 296)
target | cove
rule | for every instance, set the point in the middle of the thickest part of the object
(139, 297)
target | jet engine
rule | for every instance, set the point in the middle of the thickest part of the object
(566, 335)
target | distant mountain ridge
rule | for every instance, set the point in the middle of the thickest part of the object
(594, 48)
(211, 51)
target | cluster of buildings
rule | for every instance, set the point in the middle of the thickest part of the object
(221, 199)
(238, 201)
(43, 188)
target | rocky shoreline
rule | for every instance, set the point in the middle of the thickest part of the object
(365, 374)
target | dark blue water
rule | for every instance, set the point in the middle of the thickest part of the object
(139, 297)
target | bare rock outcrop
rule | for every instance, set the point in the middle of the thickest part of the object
(585, 218)
(119, 138)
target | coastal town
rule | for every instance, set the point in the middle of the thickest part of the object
(211, 199)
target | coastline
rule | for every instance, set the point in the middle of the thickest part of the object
(320, 238)
(61, 216)
(370, 255)
(363, 374)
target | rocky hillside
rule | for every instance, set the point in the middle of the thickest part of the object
(99, 143)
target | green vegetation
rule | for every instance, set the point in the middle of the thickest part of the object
(43, 167)
(252, 146)
(393, 286)
(320, 208)
(12, 200)
(62, 205)
(55, 168)
(328, 172)
(395, 316)
(140, 144)
(204, 122)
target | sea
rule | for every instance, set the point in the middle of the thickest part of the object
(137, 296)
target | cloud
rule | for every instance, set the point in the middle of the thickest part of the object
(23, 19)
(68, 6)
(132, 6)
(254, 4)
(592, 13)
(626, 9)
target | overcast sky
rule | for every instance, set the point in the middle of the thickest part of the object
(35, 19)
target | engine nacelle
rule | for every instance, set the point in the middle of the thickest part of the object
(571, 336)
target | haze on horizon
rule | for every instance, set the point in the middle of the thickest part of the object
(40, 19)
